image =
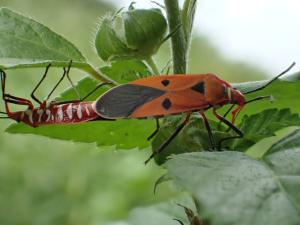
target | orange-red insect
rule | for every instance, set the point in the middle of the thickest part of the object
(174, 94)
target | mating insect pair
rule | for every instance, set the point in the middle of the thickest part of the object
(155, 96)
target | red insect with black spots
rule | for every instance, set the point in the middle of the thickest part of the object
(164, 95)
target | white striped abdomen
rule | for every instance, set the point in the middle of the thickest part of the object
(67, 113)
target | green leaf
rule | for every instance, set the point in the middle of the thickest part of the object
(235, 189)
(123, 134)
(262, 125)
(290, 141)
(26, 43)
(160, 214)
(188, 15)
(125, 71)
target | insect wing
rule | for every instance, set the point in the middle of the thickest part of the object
(121, 101)
(154, 96)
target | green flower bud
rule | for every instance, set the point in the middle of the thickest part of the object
(135, 34)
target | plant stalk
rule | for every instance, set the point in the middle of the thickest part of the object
(179, 45)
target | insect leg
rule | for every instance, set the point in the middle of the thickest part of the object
(225, 114)
(171, 138)
(228, 111)
(236, 112)
(17, 100)
(3, 117)
(66, 73)
(95, 89)
(71, 82)
(59, 81)
(179, 221)
(155, 131)
(210, 135)
(38, 84)
(7, 98)
(229, 124)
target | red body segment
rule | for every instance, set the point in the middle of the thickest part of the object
(68, 113)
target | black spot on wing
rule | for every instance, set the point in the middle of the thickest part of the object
(199, 87)
(165, 82)
(167, 103)
(121, 101)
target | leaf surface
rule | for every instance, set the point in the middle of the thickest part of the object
(235, 189)
(263, 125)
(26, 42)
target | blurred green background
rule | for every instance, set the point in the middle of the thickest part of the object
(45, 181)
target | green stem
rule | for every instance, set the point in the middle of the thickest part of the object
(151, 63)
(179, 45)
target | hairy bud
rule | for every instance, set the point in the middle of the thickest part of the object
(133, 34)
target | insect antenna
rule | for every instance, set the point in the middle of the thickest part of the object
(260, 98)
(272, 80)
(229, 110)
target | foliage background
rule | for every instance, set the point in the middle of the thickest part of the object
(45, 181)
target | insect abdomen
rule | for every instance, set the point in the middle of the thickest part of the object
(58, 114)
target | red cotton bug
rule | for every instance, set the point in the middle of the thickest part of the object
(66, 112)
(165, 95)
